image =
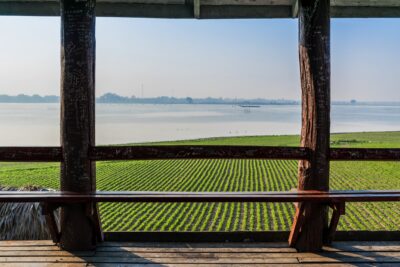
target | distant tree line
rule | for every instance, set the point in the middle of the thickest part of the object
(112, 98)
(117, 99)
(21, 98)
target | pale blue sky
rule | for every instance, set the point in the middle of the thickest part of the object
(219, 58)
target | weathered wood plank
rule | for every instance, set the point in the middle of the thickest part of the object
(390, 246)
(371, 3)
(364, 154)
(314, 54)
(43, 264)
(53, 154)
(284, 197)
(26, 243)
(36, 154)
(199, 245)
(233, 256)
(48, 212)
(338, 210)
(77, 118)
(356, 258)
(126, 249)
(298, 222)
(214, 9)
(365, 12)
(193, 254)
(197, 152)
(138, 265)
(131, 260)
(357, 246)
(194, 250)
(175, 265)
(92, 196)
(51, 253)
(235, 237)
(240, 265)
(247, 2)
(141, 265)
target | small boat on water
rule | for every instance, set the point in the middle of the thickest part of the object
(249, 106)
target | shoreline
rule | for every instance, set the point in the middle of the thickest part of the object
(205, 139)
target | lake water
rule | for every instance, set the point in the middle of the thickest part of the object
(38, 124)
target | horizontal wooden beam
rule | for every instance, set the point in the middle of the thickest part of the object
(133, 196)
(197, 152)
(210, 9)
(243, 236)
(53, 154)
(376, 154)
(371, 3)
(365, 12)
(247, 2)
(30, 154)
(150, 10)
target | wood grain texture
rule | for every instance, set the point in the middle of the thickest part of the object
(298, 222)
(130, 196)
(314, 55)
(48, 212)
(30, 154)
(213, 9)
(19, 253)
(54, 154)
(198, 152)
(338, 210)
(77, 117)
(376, 154)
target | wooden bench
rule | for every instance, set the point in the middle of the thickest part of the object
(334, 199)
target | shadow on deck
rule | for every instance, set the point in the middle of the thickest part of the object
(44, 253)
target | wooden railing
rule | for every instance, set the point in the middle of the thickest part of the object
(102, 153)
(51, 201)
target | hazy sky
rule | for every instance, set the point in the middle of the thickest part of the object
(219, 58)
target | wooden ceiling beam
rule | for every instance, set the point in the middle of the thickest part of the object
(210, 9)
(197, 8)
(370, 3)
(295, 8)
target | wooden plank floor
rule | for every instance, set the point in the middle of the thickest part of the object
(44, 253)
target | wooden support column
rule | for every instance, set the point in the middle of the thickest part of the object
(314, 53)
(77, 119)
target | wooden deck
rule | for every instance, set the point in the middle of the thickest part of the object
(44, 253)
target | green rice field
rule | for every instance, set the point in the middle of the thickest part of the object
(228, 175)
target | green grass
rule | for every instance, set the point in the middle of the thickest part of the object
(228, 175)
(362, 140)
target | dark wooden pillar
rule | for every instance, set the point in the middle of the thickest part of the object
(77, 119)
(314, 53)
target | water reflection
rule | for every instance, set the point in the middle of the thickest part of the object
(38, 124)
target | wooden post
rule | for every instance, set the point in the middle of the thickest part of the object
(314, 52)
(77, 119)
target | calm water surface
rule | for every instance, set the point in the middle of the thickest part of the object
(38, 124)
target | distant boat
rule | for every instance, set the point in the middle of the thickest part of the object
(249, 106)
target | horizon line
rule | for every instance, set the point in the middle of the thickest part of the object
(354, 100)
